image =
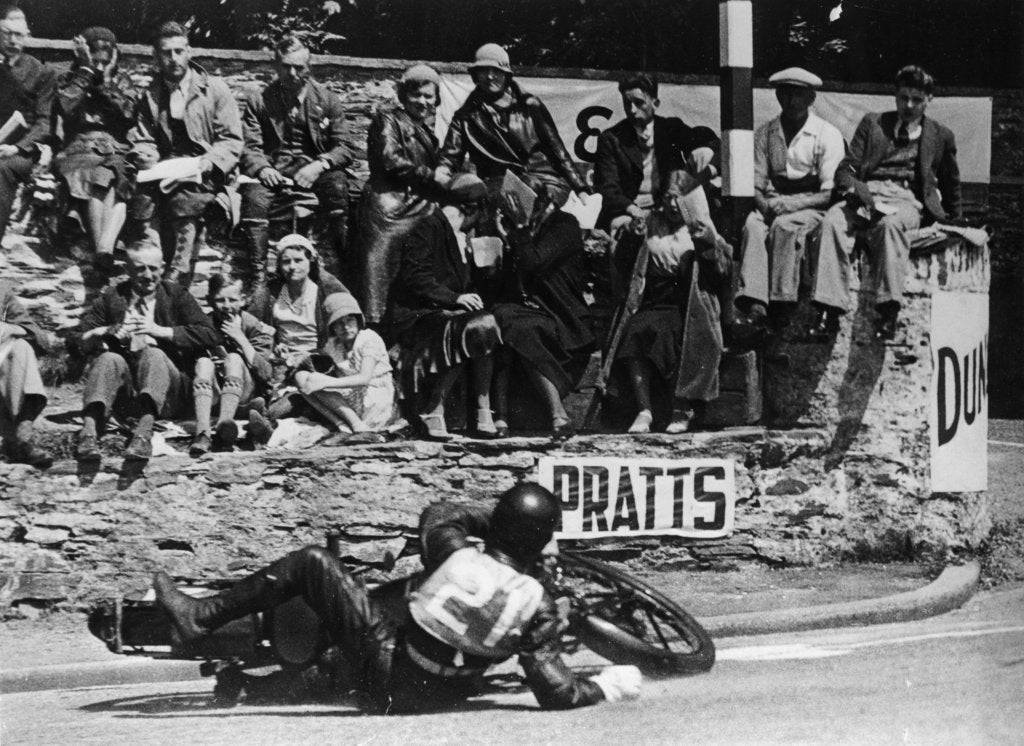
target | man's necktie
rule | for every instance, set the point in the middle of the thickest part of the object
(902, 135)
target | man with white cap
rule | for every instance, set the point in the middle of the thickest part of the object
(901, 170)
(795, 160)
(501, 127)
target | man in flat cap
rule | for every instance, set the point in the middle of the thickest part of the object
(901, 169)
(795, 160)
(26, 89)
(501, 128)
(635, 156)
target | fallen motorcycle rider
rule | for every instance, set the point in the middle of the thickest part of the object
(475, 608)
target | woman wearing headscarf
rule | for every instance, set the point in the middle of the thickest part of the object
(402, 153)
(544, 318)
(95, 103)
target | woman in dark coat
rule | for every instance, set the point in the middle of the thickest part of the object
(438, 314)
(670, 325)
(95, 103)
(402, 154)
(544, 319)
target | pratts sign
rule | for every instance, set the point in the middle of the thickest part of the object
(610, 496)
(959, 392)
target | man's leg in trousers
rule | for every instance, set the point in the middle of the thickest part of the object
(753, 271)
(22, 394)
(313, 573)
(107, 376)
(256, 202)
(787, 239)
(331, 190)
(890, 252)
(14, 171)
(179, 269)
(831, 284)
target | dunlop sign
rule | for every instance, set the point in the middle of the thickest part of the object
(958, 415)
(614, 497)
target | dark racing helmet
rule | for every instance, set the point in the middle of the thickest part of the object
(523, 521)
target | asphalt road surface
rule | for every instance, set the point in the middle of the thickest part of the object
(955, 679)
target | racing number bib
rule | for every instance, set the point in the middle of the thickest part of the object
(476, 604)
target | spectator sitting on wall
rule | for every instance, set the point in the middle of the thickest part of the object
(26, 89)
(795, 160)
(22, 395)
(146, 334)
(294, 147)
(438, 312)
(501, 127)
(671, 333)
(901, 169)
(185, 113)
(235, 372)
(96, 103)
(635, 156)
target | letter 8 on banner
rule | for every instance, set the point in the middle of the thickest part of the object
(695, 498)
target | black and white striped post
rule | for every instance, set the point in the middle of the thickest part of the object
(736, 62)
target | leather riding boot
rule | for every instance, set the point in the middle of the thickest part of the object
(337, 235)
(192, 618)
(179, 269)
(257, 238)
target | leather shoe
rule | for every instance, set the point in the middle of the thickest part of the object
(225, 435)
(200, 445)
(825, 326)
(140, 448)
(88, 448)
(885, 327)
(500, 429)
(260, 428)
(562, 432)
(31, 454)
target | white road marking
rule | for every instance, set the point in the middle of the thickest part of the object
(1005, 443)
(800, 650)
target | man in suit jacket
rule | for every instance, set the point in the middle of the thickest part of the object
(148, 334)
(293, 138)
(901, 169)
(185, 113)
(26, 88)
(635, 156)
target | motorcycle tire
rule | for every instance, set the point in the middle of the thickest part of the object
(628, 622)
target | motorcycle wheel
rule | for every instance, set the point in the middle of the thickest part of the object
(630, 623)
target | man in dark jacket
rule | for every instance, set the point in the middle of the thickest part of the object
(501, 127)
(901, 169)
(635, 156)
(148, 334)
(294, 150)
(471, 609)
(26, 89)
(22, 395)
(184, 113)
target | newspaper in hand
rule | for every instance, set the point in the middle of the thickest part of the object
(13, 129)
(171, 172)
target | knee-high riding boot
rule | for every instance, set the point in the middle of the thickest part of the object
(257, 237)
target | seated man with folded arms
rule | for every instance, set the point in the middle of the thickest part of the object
(635, 156)
(147, 334)
(795, 160)
(22, 396)
(184, 113)
(294, 147)
(901, 170)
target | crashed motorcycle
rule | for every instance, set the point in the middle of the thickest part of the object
(286, 653)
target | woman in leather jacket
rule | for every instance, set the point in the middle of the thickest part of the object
(402, 151)
(501, 127)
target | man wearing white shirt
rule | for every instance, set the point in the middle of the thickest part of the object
(185, 113)
(795, 160)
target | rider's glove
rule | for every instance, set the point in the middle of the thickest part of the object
(619, 682)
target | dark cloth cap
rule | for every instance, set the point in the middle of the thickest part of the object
(99, 33)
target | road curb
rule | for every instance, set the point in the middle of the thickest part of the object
(949, 591)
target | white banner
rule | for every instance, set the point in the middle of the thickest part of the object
(583, 108)
(958, 414)
(614, 497)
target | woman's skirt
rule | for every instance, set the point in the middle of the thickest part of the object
(442, 340)
(385, 219)
(654, 334)
(540, 340)
(95, 159)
